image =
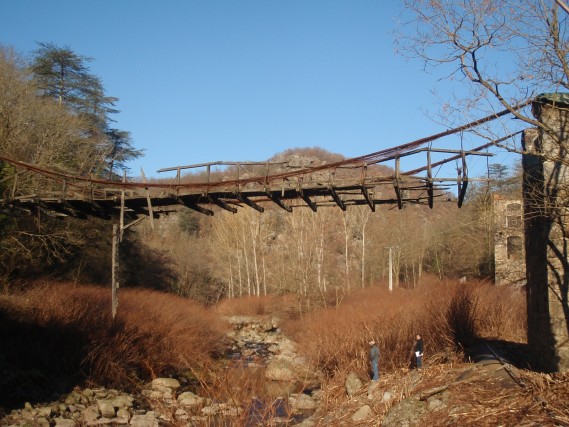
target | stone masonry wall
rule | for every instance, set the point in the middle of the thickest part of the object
(509, 251)
(546, 180)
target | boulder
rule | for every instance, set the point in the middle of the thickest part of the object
(122, 402)
(188, 398)
(362, 414)
(123, 413)
(144, 421)
(44, 411)
(280, 370)
(106, 408)
(165, 384)
(302, 402)
(90, 414)
(64, 422)
(352, 384)
(405, 413)
(42, 422)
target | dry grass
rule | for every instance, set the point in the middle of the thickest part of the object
(448, 315)
(65, 335)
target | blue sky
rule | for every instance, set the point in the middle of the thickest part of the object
(211, 80)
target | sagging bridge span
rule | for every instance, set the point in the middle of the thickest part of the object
(349, 182)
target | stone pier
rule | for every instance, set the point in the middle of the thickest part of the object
(546, 218)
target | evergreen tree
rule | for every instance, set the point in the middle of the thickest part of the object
(63, 75)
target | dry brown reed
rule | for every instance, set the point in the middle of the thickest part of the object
(153, 334)
(448, 315)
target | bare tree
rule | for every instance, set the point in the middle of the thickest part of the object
(504, 52)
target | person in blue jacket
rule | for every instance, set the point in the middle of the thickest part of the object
(374, 359)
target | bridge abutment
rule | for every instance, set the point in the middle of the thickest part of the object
(546, 218)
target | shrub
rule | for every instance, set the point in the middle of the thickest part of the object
(66, 335)
(448, 316)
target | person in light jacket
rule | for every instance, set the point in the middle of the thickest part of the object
(374, 359)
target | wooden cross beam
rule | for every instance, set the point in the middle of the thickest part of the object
(278, 201)
(337, 198)
(307, 200)
(430, 191)
(397, 185)
(222, 204)
(250, 203)
(369, 200)
(187, 202)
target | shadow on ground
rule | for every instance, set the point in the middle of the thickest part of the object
(37, 363)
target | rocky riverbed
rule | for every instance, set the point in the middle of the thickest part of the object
(291, 393)
(288, 392)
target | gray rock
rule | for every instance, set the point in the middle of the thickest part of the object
(306, 423)
(27, 414)
(353, 384)
(408, 412)
(302, 402)
(433, 404)
(122, 402)
(387, 396)
(72, 399)
(372, 388)
(280, 370)
(88, 393)
(181, 414)
(64, 422)
(119, 421)
(155, 394)
(44, 411)
(143, 421)
(106, 408)
(362, 414)
(165, 384)
(211, 410)
(189, 399)
(101, 422)
(42, 422)
(123, 413)
(90, 413)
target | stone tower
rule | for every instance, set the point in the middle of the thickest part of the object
(546, 217)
